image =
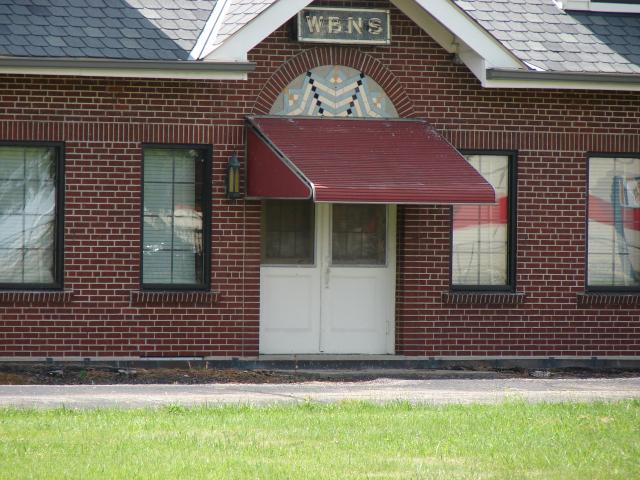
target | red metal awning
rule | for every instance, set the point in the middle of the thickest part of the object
(358, 160)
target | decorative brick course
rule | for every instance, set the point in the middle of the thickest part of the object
(35, 297)
(607, 299)
(104, 122)
(171, 298)
(483, 299)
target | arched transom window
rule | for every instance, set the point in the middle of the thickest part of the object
(334, 91)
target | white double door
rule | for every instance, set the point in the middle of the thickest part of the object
(344, 302)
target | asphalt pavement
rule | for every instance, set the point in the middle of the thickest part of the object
(438, 391)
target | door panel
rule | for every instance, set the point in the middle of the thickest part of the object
(358, 296)
(351, 325)
(289, 279)
(296, 315)
(289, 310)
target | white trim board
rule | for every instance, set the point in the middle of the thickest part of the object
(595, 6)
(467, 30)
(126, 68)
(237, 46)
(126, 73)
(210, 30)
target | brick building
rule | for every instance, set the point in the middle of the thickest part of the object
(483, 202)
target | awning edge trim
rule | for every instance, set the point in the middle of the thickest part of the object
(283, 158)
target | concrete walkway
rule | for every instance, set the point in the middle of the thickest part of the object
(381, 390)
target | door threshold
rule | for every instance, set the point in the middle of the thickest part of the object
(305, 357)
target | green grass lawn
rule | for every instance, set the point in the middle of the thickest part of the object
(310, 441)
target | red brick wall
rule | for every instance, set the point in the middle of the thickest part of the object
(104, 122)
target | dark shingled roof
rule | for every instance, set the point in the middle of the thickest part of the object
(115, 29)
(541, 34)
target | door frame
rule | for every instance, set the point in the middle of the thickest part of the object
(322, 264)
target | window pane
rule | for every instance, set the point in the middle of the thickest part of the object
(40, 197)
(358, 234)
(480, 243)
(158, 165)
(27, 215)
(12, 196)
(158, 198)
(156, 266)
(38, 231)
(157, 232)
(38, 266)
(11, 163)
(184, 267)
(184, 198)
(288, 228)
(11, 265)
(173, 245)
(614, 222)
(187, 234)
(185, 166)
(11, 231)
(40, 164)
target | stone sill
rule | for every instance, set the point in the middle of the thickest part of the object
(483, 298)
(607, 299)
(8, 297)
(189, 298)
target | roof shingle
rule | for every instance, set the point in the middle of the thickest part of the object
(552, 39)
(116, 29)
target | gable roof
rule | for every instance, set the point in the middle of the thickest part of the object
(114, 29)
(547, 38)
(505, 43)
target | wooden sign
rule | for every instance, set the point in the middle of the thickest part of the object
(344, 25)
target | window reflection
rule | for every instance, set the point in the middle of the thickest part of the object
(173, 245)
(27, 214)
(480, 232)
(614, 222)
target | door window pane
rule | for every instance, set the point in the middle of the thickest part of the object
(358, 234)
(28, 208)
(614, 222)
(480, 243)
(288, 232)
(173, 245)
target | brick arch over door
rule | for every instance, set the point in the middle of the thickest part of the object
(348, 57)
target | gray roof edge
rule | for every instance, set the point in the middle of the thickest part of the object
(507, 74)
(97, 63)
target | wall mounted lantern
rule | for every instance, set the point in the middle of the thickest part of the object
(233, 178)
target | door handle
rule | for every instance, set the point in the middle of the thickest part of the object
(327, 273)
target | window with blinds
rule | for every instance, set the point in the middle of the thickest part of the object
(175, 219)
(613, 236)
(481, 247)
(30, 252)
